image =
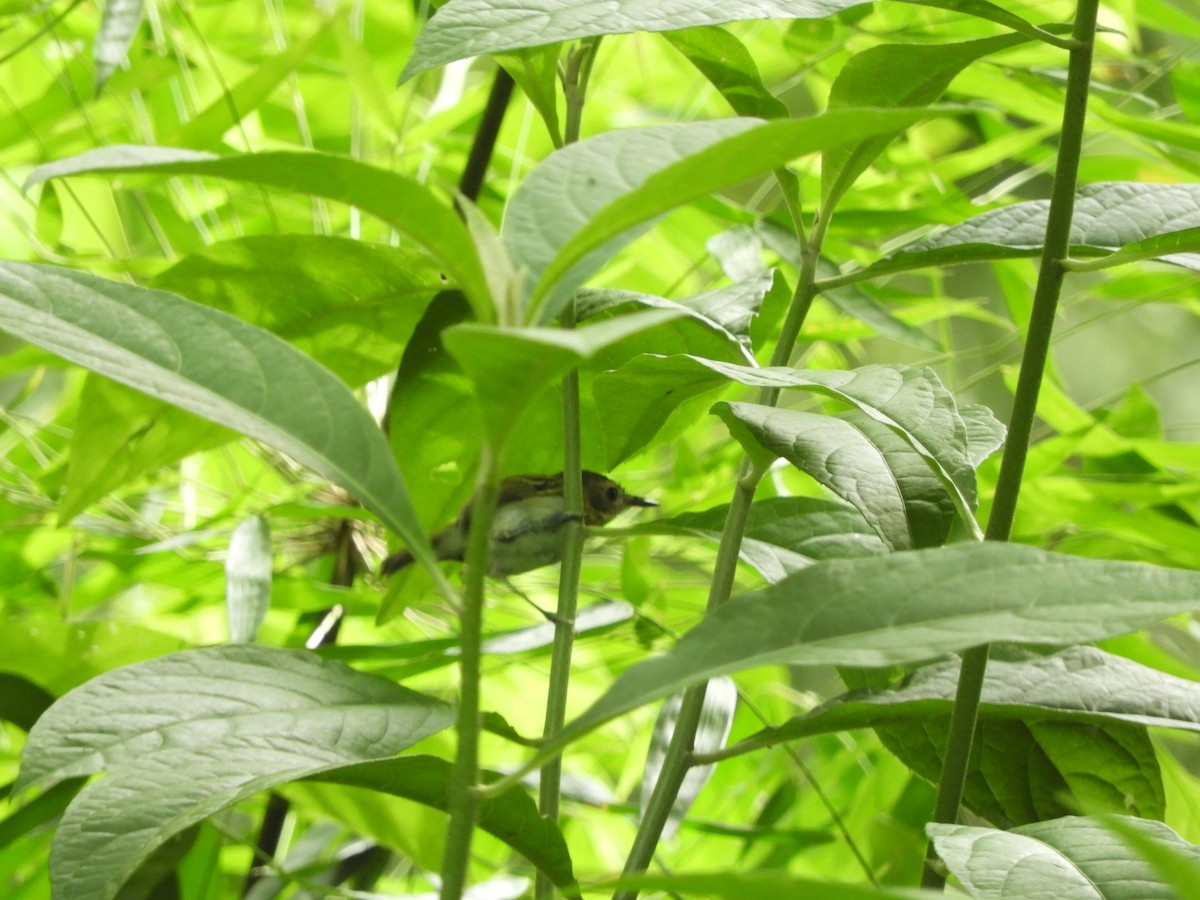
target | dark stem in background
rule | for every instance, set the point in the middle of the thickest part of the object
(485, 138)
(1033, 367)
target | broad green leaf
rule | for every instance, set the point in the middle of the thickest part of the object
(906, 608)
(887, 76)
(677, 178)
(217, 366)
(1071, 858)
(783, 534)
(858, 460)
(566, 190)
(183, 736)
(1058, 733)
(512, 816)
(119, 24)
(406, 205)
(464, 28)
(1107, 217)
(254, 693)
(208, 126)
(509, 367)
(725, 61)
(1167, 247)
(248, 578)
(911, 401)
(350, 305)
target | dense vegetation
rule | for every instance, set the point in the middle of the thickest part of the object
(890, 307)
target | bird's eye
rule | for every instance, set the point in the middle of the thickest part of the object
(612, 494)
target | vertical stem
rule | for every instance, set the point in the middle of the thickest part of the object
(678, 756)
(1033, 367)
(676, 761)
(464, 804)
(550, 779)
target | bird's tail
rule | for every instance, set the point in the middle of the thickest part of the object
(396, 562)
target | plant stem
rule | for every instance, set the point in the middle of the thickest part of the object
(464, 804)
(1033, 366)
(676, 761)
(678, 756)
(550, 779)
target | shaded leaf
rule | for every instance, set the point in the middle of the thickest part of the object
(217, 366)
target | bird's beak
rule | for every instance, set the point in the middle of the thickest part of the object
(639, 501)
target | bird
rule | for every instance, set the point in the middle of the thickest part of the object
(527, 528)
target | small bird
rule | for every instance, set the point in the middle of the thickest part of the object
(527, 529)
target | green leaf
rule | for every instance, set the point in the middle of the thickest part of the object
(1056, 733)
(887, 76)
(248, 578)
(1107, 217)
(906, 608)
(119, 24)
(783, 534)
(536, 71)
(509, 367)
(408, 206)
(351, 305)
(1078, 684)
(1068, 858)
(217, 366)
(677, 176)
(184, 736)
(719, 319)
(563, 192)
(725, 61)
(1176, 862)
(1174, 245)
(638, 398)
(208, 126)
(870, 468)
(512, 816)
(464, 28)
